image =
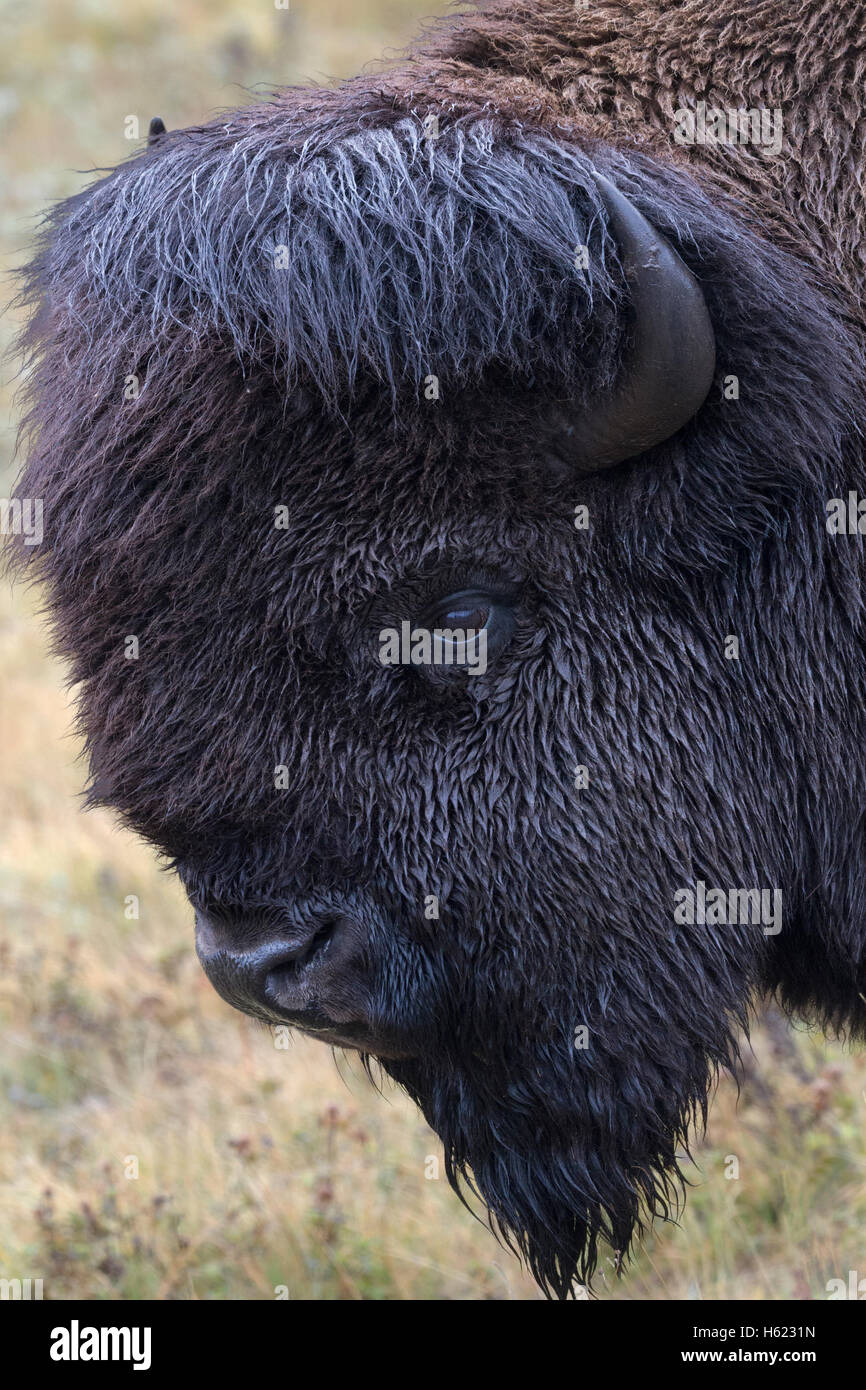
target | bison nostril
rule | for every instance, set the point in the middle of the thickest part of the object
(323, 975)
(294, 961)
(302, 960)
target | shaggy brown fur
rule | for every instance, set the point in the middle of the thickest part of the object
(617, 70)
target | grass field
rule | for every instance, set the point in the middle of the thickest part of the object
(152, 1142)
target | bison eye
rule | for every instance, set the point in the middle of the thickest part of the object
(471, 615)
(468, 629)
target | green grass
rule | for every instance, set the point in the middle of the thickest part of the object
(260, 1168)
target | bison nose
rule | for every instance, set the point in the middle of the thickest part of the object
(306, 965)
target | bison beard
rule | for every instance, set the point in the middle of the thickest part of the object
(303, 387)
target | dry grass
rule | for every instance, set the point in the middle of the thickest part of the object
(259, 1168)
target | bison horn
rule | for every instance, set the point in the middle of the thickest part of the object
(670, 366)
(156, 128)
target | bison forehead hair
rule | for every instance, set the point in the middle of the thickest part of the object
(356, 354)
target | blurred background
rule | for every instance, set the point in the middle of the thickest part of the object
(153, 1143)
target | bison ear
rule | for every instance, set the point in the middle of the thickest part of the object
(669, 367)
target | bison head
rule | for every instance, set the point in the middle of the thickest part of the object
(329, 374)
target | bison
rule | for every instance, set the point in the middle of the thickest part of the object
(451, 488)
